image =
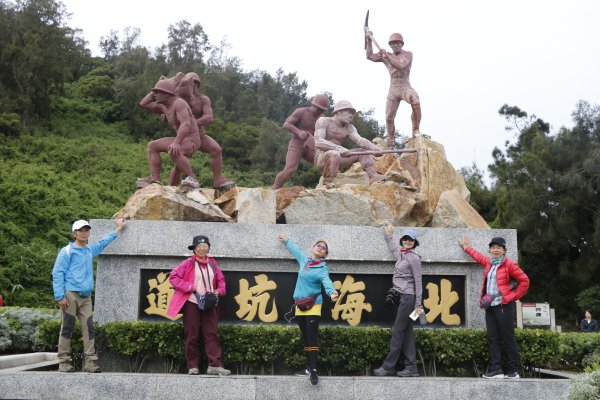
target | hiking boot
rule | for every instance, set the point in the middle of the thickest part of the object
(191, 182)
(218, 371)
(493, 375)
(383, 372)
(408, 373)
(512, 375)
(193, 371)
(65, 367)
(92, 367)
(303, 372)
(313, 377)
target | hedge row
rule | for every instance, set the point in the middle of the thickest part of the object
(275, 349)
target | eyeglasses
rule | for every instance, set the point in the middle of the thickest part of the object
(321, 246)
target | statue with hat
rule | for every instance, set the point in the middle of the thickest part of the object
(301, 124)
(330, 155)
(188, 88)
(162, 99)
(398, 63)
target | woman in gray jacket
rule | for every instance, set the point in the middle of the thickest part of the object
(407, 283)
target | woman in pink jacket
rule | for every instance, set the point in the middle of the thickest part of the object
(498, 300)
(192, 279)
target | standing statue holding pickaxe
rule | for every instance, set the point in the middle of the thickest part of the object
(398, 63)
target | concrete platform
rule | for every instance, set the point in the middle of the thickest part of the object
(27, 362)
(80, 386)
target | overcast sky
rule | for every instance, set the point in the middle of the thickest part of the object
(470, 56)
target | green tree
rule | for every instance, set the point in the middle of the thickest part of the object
(482, 199)
(38, 54)
(548, 189)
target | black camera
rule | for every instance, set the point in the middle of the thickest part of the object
(393, 297)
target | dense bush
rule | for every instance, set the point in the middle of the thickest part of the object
(574, 347)
(19, 329)
(271, 349)
(585, 387)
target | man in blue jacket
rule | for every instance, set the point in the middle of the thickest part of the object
(73, 282)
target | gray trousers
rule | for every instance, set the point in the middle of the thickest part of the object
(403, 340)
(79, 308)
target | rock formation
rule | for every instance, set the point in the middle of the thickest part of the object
(423, 189)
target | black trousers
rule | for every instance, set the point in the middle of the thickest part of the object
(309, 332)
(403, 340)
(499, 321)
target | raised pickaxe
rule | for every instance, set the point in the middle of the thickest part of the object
(366, 29)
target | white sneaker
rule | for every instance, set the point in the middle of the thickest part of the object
(218, 371)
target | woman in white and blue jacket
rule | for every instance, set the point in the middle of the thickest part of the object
(312, 274)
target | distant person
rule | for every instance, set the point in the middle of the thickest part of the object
(588, 324)
(398, 63)
(498, 300)
(163, 100)
(301, 123)
(312, 274)
(195, 277)
(73, 283)
(189, 90)
(330, 156)
(407, 283)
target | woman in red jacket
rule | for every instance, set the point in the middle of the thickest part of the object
(498, 300)
(192, 279)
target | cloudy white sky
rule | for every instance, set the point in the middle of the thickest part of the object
(470, 56)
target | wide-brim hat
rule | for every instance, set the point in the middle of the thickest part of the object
(343, 105)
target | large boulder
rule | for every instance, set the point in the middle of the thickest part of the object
(453, 211)
(169, 203)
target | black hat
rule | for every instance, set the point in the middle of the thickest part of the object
(197, 240)
(499, 241)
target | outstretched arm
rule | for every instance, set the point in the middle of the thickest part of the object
(361, 141)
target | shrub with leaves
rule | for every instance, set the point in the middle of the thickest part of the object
(19, 326)
(585, 387)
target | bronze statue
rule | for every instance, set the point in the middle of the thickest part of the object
(330, 155)
(188, 89)
(398, 64)
(301, 123)
(162, 99)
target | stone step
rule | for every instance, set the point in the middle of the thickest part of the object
(27, 361)
(134, 386)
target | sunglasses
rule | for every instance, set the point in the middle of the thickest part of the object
(321, 246)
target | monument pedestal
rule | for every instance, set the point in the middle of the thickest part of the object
(132, 273)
